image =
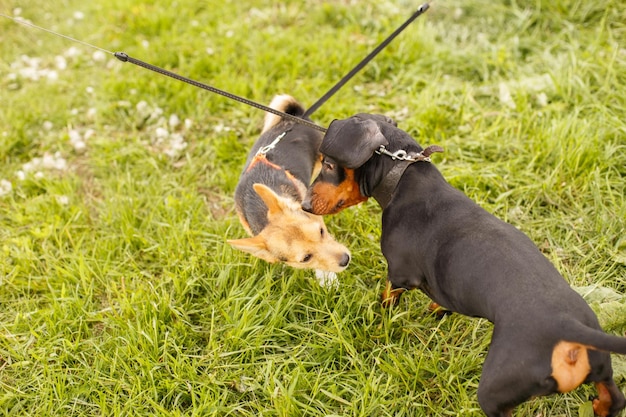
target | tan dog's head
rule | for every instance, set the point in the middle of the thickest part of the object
(293, 236)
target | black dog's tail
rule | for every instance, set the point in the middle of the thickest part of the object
(286, 104)
(595, 338)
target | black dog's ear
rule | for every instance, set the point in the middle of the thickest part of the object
(377, 118)
(351, 142)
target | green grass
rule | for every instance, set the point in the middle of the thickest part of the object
(119, 294)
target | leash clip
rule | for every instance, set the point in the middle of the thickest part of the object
(402, 155)
(264, 150)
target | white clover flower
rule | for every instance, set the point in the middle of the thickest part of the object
(5, 187)
(72, 52)
(60, 62)
(176, 145)
(78, 15)
(51, 75)
(161, 133)
(63, 200)
(99, 56)
(74, 135)
(142, 107)
(542, 99)
(173, 121)
(505, 96)
(76, 139)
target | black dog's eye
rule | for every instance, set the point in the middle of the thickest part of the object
(327, 165)
(321, 231)
(307, 257)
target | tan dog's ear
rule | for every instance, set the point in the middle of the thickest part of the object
(270, 198)
(254, 245)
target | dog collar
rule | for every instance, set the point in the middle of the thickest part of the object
(384, 191)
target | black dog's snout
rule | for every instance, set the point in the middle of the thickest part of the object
(306, 206)
(345, 260)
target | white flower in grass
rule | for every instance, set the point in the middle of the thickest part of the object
(5, 187)
(99, 56)
(60, 62)
(47, 125)
(188, 123)
(51, 75)
(78, 15)
(48, 161)
(176, 145)
(55, 161)
(161, 133)
(63, 200)
(142, 108)
(89, 133)
(542, 99)
(77, 140)
(72, 52)
(506, 98)
(174, 121)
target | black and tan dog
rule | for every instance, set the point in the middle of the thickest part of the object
(546, 339)
(270, 191)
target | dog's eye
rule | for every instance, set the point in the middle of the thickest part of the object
(321, 231)
(327, 165)
(307, 257)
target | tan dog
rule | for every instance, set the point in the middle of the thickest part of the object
(270, 190)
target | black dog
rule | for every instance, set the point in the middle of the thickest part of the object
(546, 339)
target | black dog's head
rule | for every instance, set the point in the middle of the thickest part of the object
(347, 146)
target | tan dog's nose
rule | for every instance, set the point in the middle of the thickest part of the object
(345, 260)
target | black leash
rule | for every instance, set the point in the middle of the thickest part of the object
(126, 58)
(420, 10)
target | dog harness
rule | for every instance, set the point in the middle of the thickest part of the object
(384, 191)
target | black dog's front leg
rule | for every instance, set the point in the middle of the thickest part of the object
(391, 295)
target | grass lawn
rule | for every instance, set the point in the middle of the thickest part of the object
(118, 293)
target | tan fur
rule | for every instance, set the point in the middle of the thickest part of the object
(602, 404)
(570, 365)
(279, 102)
(292, 236)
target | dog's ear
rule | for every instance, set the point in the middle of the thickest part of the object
(377, 118)
(270, 198)
(254, 245)
(351, 142)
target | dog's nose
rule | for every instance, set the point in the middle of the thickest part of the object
(345, 260)
(306, 205)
